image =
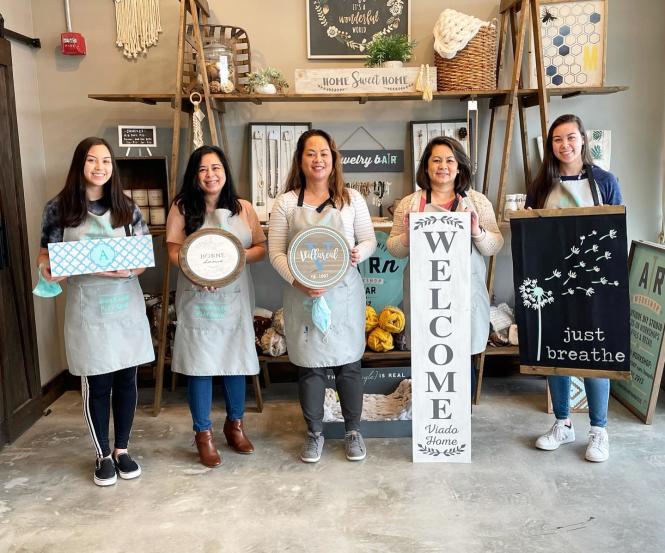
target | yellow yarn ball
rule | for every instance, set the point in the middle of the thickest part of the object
(371, 318)
(380, 340)
(392, 319)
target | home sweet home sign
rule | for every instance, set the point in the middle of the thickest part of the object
(440, 268)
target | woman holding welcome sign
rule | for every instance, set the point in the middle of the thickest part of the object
(325, 329)
(106, 329)
(215, 333)
(568, 178)
(444, 175)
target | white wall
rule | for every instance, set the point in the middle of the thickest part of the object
(277, 32)
(18, 17)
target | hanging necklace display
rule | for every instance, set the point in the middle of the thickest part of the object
(380, 189)
(197, 118)
(273, 164)
(419, 146)
(258, 149)
(138, 25)
(287, 145)
(361, 186)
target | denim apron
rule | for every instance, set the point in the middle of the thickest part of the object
(215, 330)
(480, 302)
(106, 328)
(344, 342)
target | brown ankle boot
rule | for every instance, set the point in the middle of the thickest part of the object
(236, 438)
(207, 451)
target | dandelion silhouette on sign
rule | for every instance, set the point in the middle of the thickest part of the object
(535, 297)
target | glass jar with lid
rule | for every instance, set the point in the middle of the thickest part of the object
(219, 67)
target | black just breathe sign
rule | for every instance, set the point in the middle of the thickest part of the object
(571, 291)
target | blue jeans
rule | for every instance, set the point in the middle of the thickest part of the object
(199, 396)
(597, 393)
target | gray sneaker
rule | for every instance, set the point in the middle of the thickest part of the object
(312, 448)
(354, 446)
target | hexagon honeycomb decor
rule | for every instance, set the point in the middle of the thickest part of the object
(573, 43)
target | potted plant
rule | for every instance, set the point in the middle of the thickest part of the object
(265, 81)
(389, 48)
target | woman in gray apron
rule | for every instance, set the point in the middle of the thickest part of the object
(106, 329)
(568, 178)
(215, 333)
(444, 176)
(316, 196)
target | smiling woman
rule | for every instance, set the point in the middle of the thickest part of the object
(325, 327)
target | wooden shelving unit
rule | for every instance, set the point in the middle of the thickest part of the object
(516, 15)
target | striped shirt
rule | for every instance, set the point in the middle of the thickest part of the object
(358, 229)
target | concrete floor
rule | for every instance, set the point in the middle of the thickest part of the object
(512, 498)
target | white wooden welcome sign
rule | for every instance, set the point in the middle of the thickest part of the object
(360, 80)
(441, 336)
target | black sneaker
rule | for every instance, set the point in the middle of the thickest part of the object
(126, 466)
(105, 472)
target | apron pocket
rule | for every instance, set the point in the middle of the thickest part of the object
(210, 311)
(110, 304)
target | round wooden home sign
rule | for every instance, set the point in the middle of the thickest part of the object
(212, 257)
(318, 257)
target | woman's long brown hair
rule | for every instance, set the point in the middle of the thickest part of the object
(72, 199)
(549, 174)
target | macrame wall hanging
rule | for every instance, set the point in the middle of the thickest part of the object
(197, 119)
(138, 25)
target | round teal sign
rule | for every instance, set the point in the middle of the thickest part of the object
(102, 255)
(382, 275)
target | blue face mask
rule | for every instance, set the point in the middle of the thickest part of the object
(44, 288)
(321, 314)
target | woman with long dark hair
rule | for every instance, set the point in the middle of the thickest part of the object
(316, 196)
(215, 333)
(444, 176)
(568, 178)
(106, 329)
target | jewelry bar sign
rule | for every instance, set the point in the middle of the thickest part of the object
(373, 161)
(440, 318)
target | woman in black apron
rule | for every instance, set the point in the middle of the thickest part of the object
(316, 196)
(106, 329)
(206, 343)
(444, 176)
(568, 178)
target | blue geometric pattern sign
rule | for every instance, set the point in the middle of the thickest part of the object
(107, 254)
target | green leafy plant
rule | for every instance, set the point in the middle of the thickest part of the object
(395, 47)
(269, 75)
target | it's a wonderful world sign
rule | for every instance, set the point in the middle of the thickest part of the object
(440, 268)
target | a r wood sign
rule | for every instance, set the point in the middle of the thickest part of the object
(440, 337)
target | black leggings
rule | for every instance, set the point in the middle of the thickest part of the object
(312, 391)
(99, 393)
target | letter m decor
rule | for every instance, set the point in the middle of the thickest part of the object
(440, 319)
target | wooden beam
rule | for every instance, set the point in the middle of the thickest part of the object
(202, 4)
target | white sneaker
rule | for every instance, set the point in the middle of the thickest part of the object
(598, 449)
(557, 435)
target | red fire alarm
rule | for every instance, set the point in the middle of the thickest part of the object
(72, 44)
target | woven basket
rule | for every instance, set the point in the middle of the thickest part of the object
(473, 68)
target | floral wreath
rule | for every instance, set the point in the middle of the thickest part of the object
(322, 9)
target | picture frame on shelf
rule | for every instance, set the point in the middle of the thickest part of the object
(271, 148)
(341, 29)
(574, 42)
(424, 131)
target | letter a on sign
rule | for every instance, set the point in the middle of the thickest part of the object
(440, 336)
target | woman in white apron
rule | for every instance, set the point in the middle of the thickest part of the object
(208, 344)
(106, 329)
(444, 176)
(568, 178)
(316, 196)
